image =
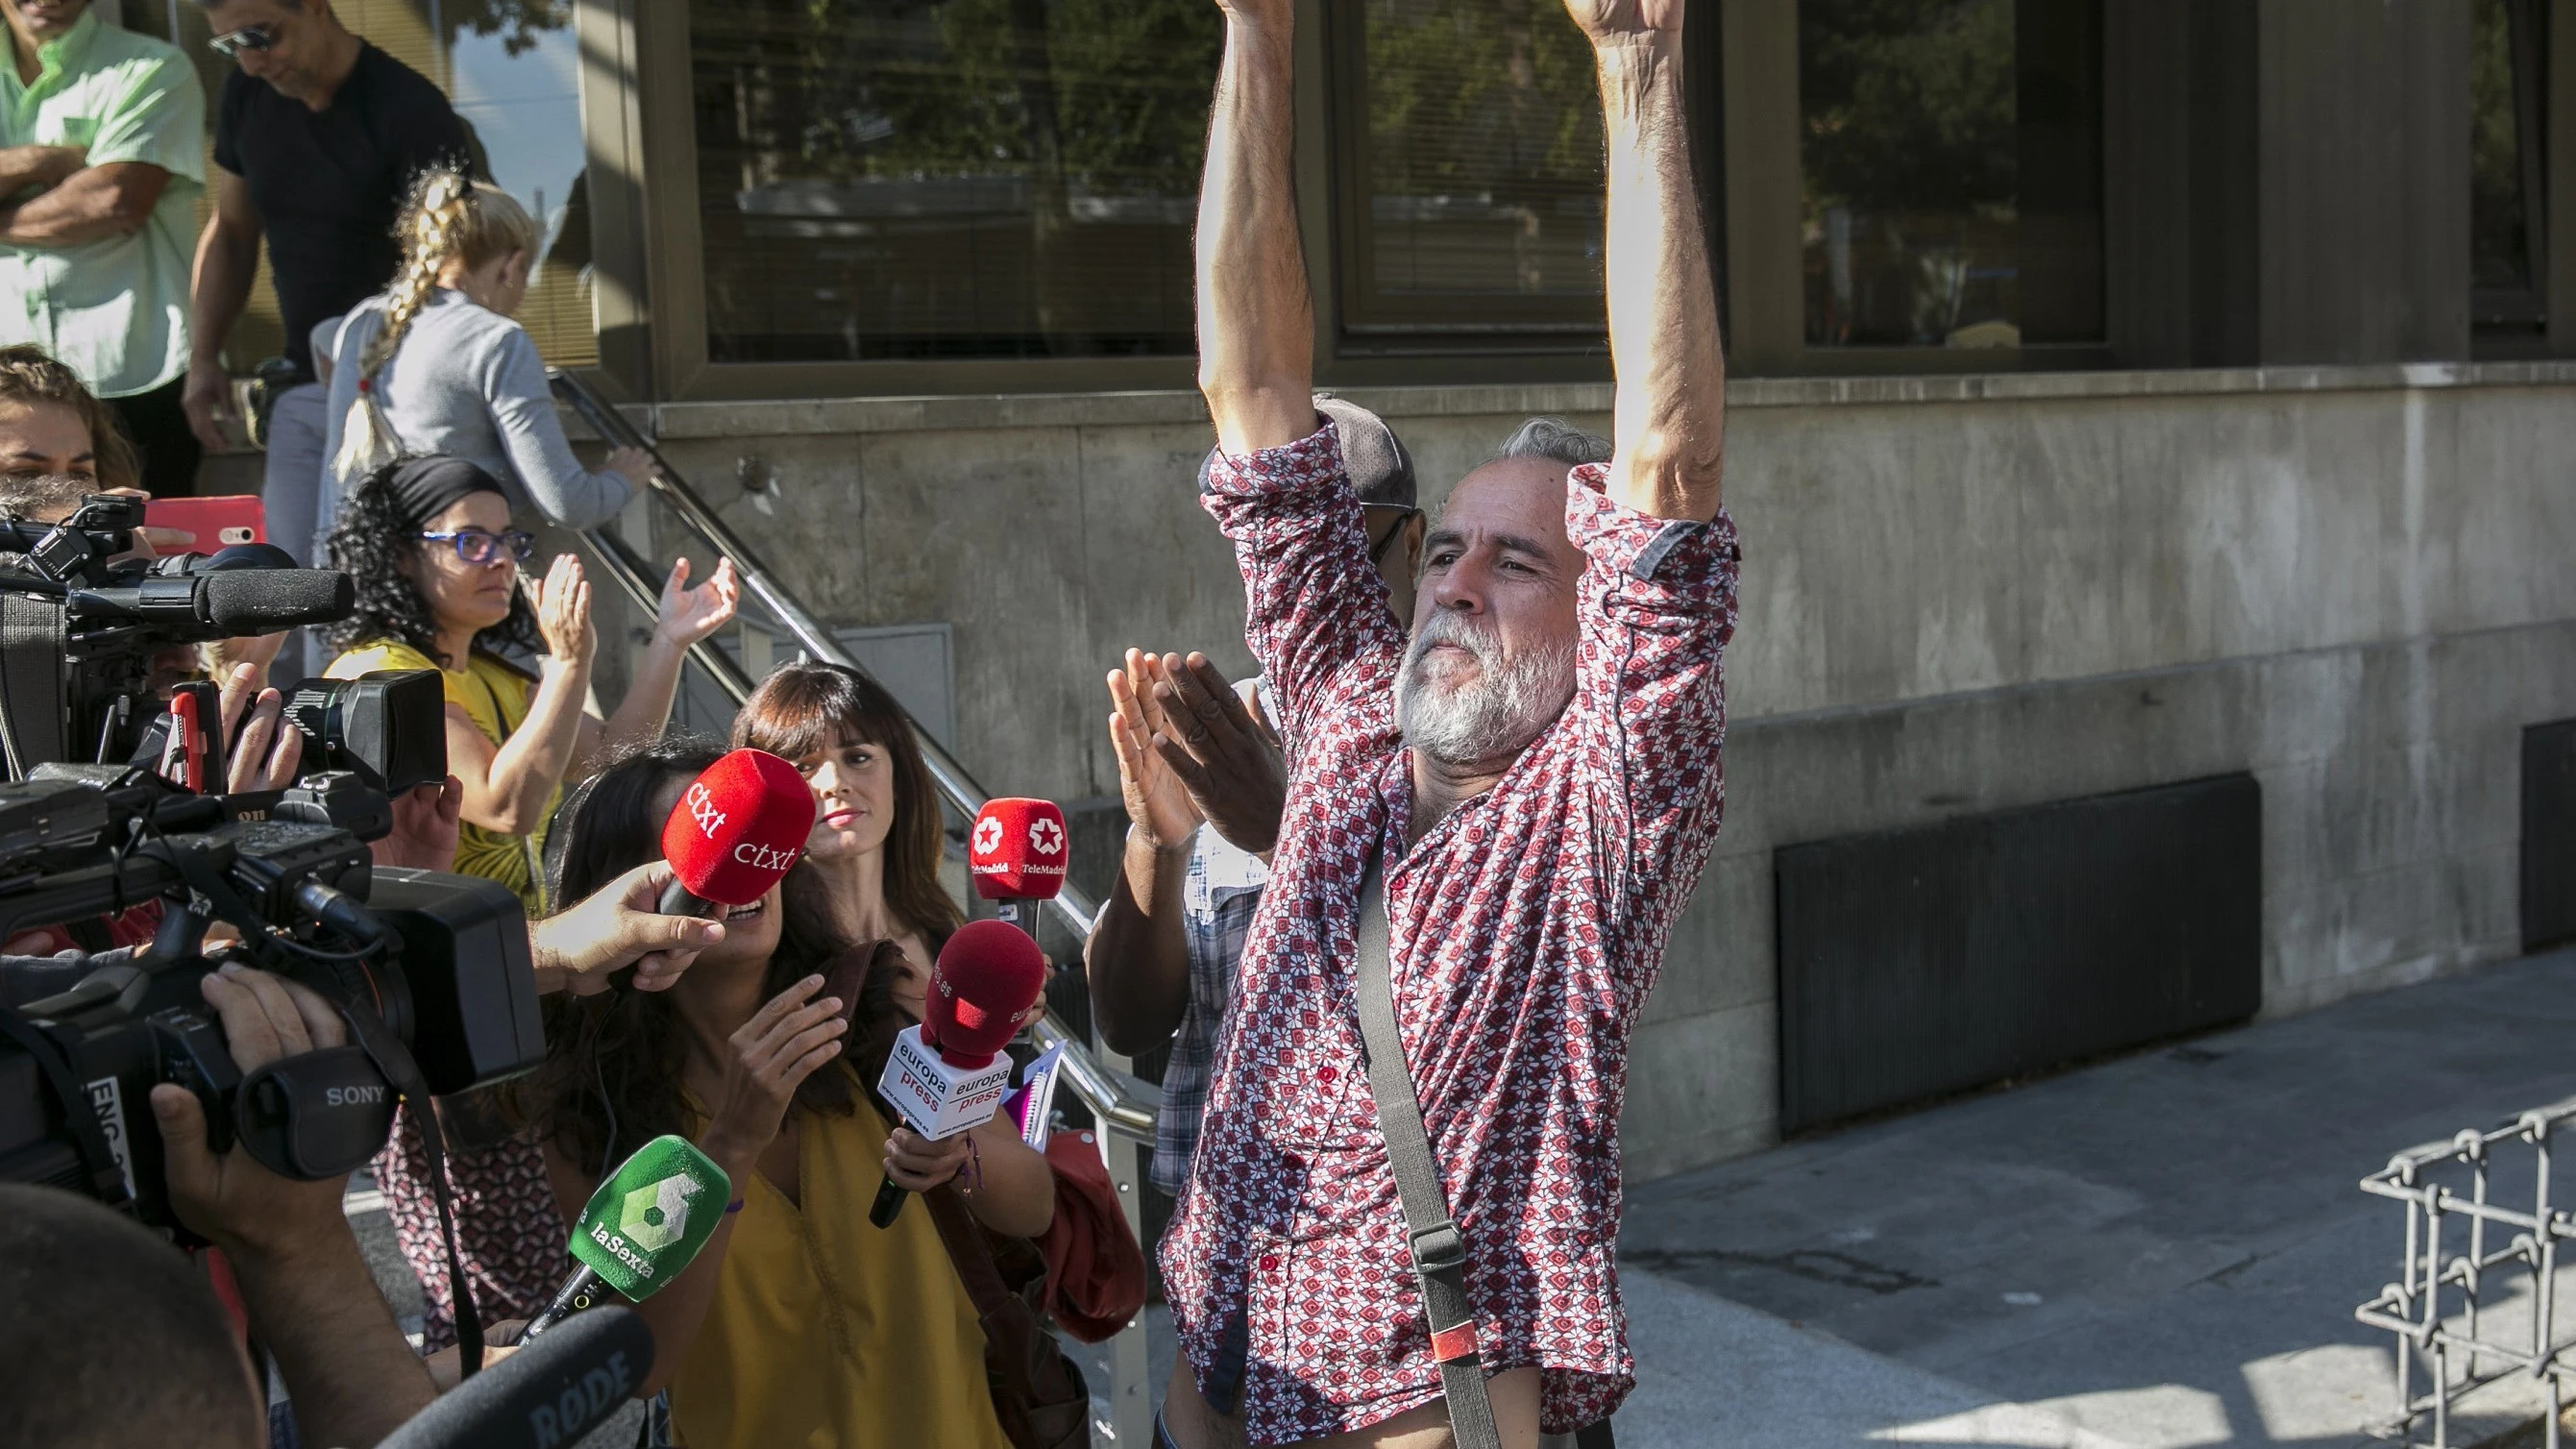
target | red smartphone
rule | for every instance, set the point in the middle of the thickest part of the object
(217, 522)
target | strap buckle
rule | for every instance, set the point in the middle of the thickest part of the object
(1439, 1248)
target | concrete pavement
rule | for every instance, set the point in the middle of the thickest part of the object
(2162, 1251)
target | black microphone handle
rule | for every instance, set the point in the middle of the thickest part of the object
(545, 1396)
(579, 1291)
(679, 900)
(890, 1196)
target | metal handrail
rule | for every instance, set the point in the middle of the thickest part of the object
(1123, 1103)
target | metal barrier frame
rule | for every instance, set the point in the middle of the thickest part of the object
(2413, 1307)
(1124, 1105)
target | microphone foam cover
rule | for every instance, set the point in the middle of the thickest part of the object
(264, 601)
(739, 827)
(651, 1216)
(545, 1396)
(1018, 850)
(988, 973)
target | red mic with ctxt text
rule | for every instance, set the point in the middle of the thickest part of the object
(948, 1075)
(1016, 855)
(737, 830)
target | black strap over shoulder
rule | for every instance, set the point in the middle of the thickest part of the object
(1439, 1249)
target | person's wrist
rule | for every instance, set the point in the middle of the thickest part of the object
(1139, 837)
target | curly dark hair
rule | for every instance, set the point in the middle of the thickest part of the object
(373, 536)
(611, 1079)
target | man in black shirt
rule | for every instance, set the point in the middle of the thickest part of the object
(317, 138)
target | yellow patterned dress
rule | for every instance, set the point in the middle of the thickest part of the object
(495, 696)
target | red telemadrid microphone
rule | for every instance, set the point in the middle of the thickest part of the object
(1016, 855)
(948, 1075)
(738, 829)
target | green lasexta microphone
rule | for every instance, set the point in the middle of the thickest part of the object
(643, 1226)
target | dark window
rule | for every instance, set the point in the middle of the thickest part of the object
(1951, 156)
(2507, 116)
(949, 178)
(1469, 169)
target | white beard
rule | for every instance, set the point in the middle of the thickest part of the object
(1497, 713)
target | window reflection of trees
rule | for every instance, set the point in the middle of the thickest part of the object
(1484, 150)
(923, 178)
(1950, 159)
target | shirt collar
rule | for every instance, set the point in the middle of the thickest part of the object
(54, 57)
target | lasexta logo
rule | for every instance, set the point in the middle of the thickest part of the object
(656, 1215)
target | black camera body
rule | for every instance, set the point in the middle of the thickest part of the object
(431, 972)
(388, 728)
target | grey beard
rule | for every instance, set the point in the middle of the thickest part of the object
(1499, 713)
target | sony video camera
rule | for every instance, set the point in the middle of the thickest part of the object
(430, 971)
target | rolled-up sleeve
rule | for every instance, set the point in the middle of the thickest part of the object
(1315, 608)
(1658, 607)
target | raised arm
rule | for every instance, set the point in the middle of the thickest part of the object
(1664, 345)
(1256, 319)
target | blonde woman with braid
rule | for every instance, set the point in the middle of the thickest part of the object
(434, 365)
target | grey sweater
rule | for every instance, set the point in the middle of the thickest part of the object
(467, 383)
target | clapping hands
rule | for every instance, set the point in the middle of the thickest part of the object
(691, 614)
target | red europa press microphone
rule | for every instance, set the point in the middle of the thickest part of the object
(736, 832)
(1016, 855)
(948, 1075)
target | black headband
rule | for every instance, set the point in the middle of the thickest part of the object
(424, 488)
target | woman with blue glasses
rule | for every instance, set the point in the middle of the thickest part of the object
(428, 544)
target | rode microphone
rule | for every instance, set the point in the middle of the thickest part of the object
(545, 1396)
(1016, 855)
(642, 1227)
(738, 829)
(947, 1075)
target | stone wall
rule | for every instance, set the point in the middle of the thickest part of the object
(1959, 595)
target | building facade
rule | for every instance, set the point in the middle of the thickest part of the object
(2128, 395)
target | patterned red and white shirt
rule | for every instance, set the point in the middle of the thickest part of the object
(1528, 927)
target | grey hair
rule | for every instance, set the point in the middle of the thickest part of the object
(1554, 439)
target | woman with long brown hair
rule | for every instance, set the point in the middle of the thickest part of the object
(877, 838)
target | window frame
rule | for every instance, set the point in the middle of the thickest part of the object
(1364, 325)
(1762, 176)
(1742, 75)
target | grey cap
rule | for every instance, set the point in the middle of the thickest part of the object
(1381, 470)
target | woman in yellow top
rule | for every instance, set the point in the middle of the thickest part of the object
(429, 545)
(799, 1323)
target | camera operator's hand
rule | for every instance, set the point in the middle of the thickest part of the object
(563, 612)
(619, 926)
(259, 651)
(425, 824)
(786, 1041)
(241, 1206)
(307, 1288)
(261, 750)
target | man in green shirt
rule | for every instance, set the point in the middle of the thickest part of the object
(102, 154)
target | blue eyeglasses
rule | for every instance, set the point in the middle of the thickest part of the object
(481, 546)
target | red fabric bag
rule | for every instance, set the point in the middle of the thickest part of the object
(1095, 1271)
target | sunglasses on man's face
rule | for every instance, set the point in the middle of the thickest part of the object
(480, 546)
(232, 43)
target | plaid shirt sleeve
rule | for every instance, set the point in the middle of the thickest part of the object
(1214, 922)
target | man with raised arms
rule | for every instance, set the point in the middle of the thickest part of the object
(1535, 768)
